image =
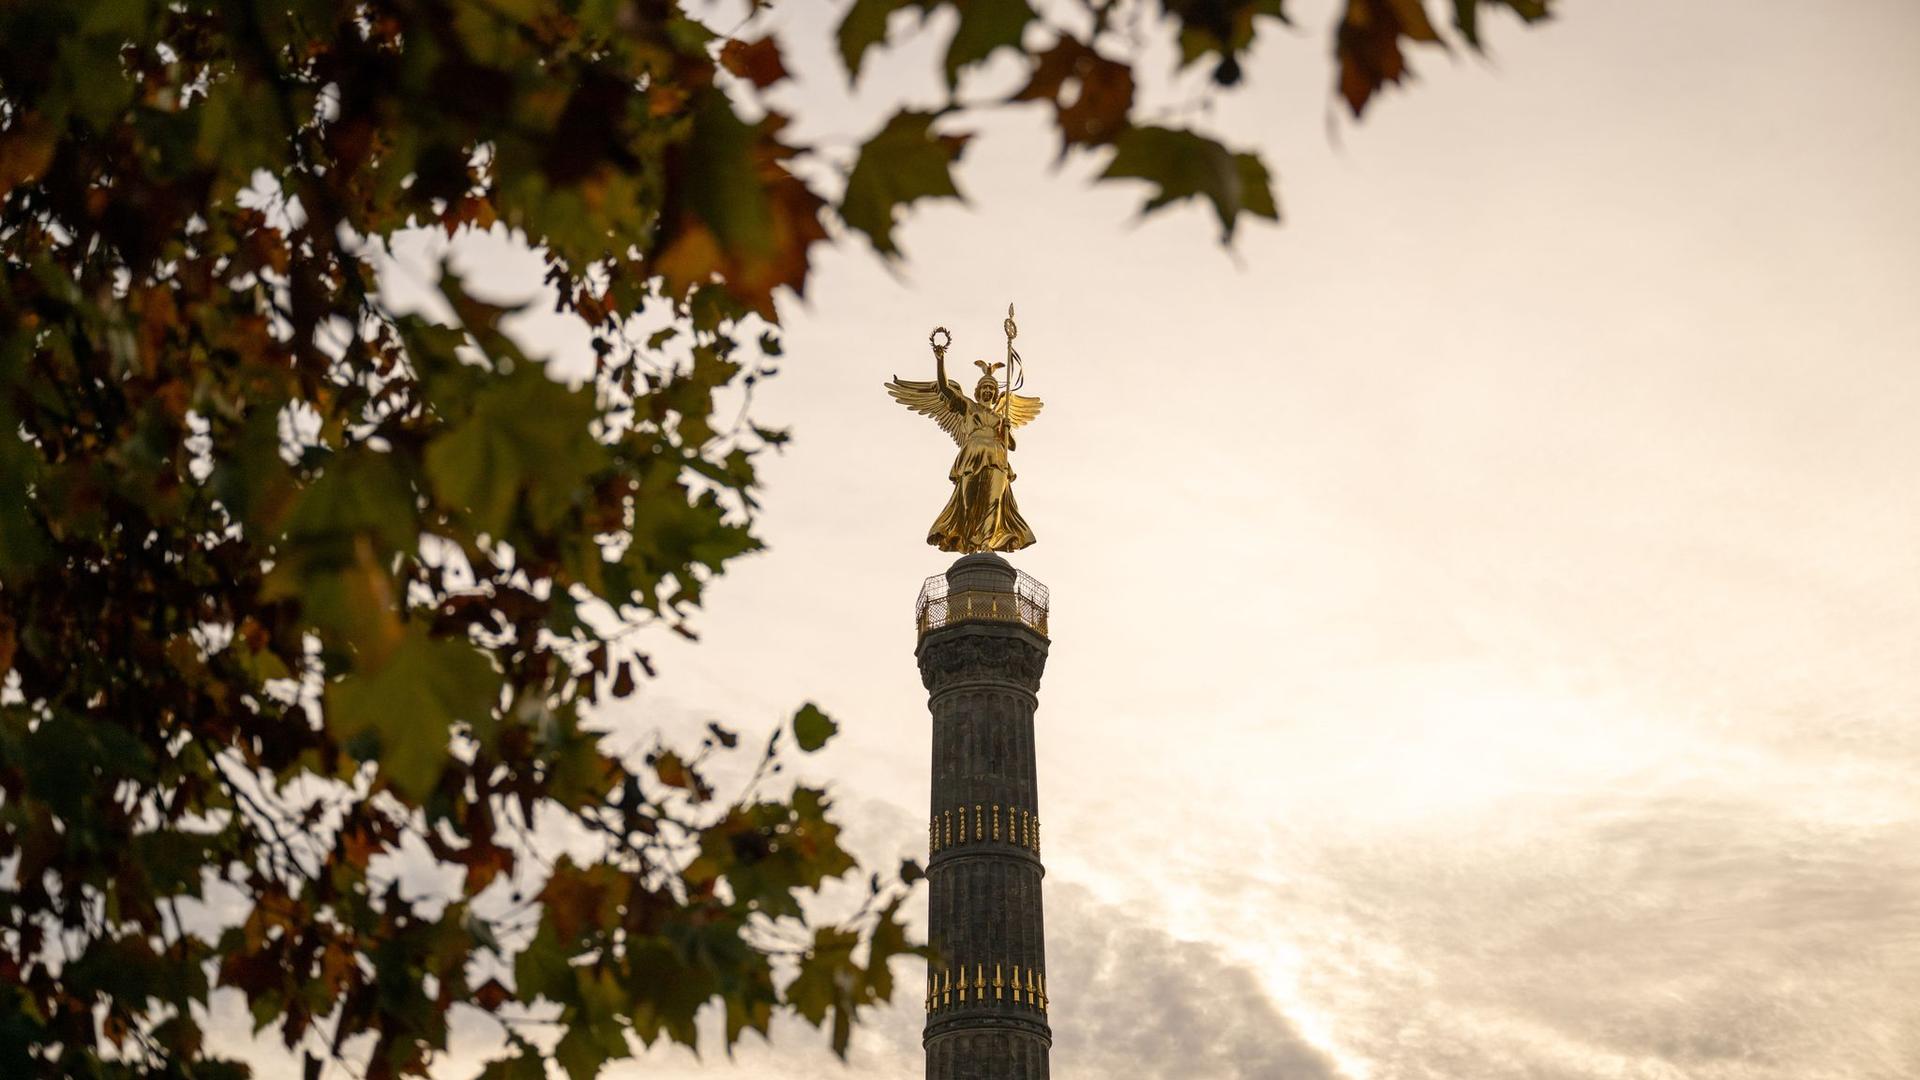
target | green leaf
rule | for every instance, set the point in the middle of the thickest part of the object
(675, 533)
(1182, 164)
(527, 436)
(341, 535)
(252, 482)
(904, 162)
(985, 25)
(670, 983)
(359, 492)
(410, 704)
(580, 1053)
(812, 728)
(767, 850)
(865, 26)
(817, 988)
(1256, 187)
(1223, 28)
(541, 969)
(238, 123)
(22, 543)
(742, 1015)
(528, 1064)
(888, 940)
(172, 860)
(1466, 15)
(54, 755)
(723, 181)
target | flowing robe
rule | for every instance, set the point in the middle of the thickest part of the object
(981, 515)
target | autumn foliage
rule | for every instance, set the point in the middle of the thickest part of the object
(298, 591)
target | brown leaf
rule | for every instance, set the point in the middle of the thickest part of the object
(338, 966)
(693, 253)
(26, 149)
(484, 862)
(758, 62)
(490, 995)
(474, 210)
(1368, 45)
(691, 258)
(672, 771)
(1102, 92)
(579, 899)
(358, 846)
(666, 99)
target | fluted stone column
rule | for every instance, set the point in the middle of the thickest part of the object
(981, 660)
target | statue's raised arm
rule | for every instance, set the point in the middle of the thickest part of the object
(942, 398)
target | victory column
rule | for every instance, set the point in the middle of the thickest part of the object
(982, 645)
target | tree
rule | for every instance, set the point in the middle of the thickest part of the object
(293, 585)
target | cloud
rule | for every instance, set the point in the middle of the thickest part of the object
(1131, 1000)
(1658, 936)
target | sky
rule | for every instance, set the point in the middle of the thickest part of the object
(1486, 606)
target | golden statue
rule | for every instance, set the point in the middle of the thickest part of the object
(981, 515)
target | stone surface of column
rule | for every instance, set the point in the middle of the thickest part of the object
(982, 648)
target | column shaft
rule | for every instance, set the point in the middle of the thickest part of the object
(986, 996)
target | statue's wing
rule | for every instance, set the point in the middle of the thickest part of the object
(926, 399)
(1021, 409)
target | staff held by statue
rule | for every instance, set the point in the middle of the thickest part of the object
(1016, 371)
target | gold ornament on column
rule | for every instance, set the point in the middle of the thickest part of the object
(981, 515)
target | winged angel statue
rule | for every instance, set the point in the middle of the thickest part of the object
(981, 515)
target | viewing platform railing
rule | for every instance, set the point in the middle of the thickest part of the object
(940, 606)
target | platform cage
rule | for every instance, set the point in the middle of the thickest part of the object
(940, 605)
